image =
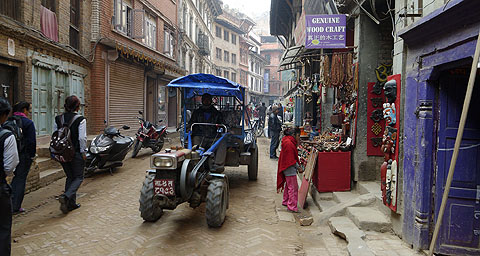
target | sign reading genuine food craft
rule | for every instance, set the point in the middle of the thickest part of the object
(325, 31)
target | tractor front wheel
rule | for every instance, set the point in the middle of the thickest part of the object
(149, 211)
(217, 200)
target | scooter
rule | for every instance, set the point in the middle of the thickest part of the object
(149, 136)
(107, 150)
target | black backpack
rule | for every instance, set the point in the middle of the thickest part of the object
(61, 146)
(15, 125)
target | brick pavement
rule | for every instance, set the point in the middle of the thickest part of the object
(109, 223)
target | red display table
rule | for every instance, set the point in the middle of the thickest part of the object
(333, 172)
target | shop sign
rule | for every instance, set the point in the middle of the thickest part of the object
(266, 82)
(289, 75)
(325, 31)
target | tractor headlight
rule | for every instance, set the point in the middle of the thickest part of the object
(165, 162)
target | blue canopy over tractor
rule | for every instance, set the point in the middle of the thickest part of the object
(199, 84)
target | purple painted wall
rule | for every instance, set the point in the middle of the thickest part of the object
(439, 41)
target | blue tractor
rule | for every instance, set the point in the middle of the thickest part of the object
(189, 174)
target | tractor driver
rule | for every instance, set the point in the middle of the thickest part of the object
(205, 136)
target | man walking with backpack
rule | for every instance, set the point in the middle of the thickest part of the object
(8, 162)
(24, 131)
(68, 146)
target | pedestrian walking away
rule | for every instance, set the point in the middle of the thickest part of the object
(261, 113)
(8, 162)
(274, 129)
(288, 164)
(74, 168)
(26, 152)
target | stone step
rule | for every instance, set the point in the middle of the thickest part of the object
(43, 152)
(340, 208)
(368, 218)
(365, 187)
(343, 197)
(373, 187)
(45, 163)
(346, 229)
(50, 175)
(324, 205)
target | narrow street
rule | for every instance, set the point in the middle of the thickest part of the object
(109, 223)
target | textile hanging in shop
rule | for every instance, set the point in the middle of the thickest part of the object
(375, 121)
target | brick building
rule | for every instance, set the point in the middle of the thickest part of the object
(256, 66)
(245, 44)
(134, 59)
(227, 45)
(272, 51)
(196, 20)
(44, 56)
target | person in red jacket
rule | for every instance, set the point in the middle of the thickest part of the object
(288, 164)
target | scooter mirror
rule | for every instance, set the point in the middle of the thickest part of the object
(160, 121)
(105, 121)
(125, 127)
(140, 112)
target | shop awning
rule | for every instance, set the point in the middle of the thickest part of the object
(290, 55)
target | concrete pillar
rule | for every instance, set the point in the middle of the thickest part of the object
(368, 40)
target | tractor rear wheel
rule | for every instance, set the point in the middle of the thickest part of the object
(217, 200)
(148, 209)
(253, 165)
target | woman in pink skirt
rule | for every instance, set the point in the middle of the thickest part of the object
(287, 169)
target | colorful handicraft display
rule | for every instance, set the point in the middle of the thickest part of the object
(375, 121)
(389, 142)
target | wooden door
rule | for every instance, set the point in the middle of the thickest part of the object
(42, 100)
(460, 230)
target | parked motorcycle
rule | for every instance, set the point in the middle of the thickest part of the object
(107, 150)
(149, 136)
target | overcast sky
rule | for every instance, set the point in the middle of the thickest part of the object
(251, 8)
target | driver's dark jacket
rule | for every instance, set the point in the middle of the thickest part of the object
(205, 115)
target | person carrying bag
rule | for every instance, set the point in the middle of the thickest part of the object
(68, 146)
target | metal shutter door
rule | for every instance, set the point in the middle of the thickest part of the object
(126, 95)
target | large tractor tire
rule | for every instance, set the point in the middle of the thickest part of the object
(136, 148)
(148, 210)
(217, 201)
(253, 165)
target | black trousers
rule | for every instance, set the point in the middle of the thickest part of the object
(19, 181)
(5, 219)
(74, 172)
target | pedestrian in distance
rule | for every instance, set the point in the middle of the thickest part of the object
(274, 129)
(26, 152)
(73, 169)
(288, 165)
(8, 162)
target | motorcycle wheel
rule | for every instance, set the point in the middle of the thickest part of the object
(136, 148)
(157, 147)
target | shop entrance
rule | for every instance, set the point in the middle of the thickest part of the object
(460, 230)
(8, 77)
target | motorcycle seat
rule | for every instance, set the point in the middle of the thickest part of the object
(159, 129)
(125, 140)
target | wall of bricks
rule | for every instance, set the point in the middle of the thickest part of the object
(98, 91)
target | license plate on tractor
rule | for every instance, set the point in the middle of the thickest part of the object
(164, 187)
